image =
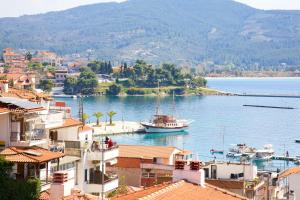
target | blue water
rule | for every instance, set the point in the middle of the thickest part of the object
(214, 116)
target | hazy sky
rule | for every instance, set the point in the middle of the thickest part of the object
(12, 8)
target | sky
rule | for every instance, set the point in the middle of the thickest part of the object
(14, 8)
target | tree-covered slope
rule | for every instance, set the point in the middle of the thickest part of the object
(221, 31)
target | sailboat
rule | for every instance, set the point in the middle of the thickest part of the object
(162, 123)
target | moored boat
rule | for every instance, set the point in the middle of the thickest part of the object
(265, 154)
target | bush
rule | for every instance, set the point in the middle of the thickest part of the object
(114, 89)
(177, 91)
(134, 91)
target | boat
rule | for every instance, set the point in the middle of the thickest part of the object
(162, 123)
(214, 151)
(297, 141)
(265, 154)
(241, 150)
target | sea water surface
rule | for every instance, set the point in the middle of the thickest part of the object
(215, 116)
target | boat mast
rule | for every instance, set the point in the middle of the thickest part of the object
(158, 100)
(173, 106)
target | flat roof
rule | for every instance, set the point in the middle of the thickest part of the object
(21, 103)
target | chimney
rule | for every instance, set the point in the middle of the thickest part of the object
(60, 186)
(190, 171)
(4, 86)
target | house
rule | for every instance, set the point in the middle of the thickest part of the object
(47, 57)
(14, 59)
(24, 81)
(288, 184)
(147, 165)
(32, 124)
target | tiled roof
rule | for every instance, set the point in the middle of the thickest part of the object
(3, 110)
(69, 122)
(182, 191)
(290, 171)
(140, 151)
(29, 155)
(44, 195)
(85, 128)
(226, 184)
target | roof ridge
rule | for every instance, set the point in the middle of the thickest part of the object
(226, 191)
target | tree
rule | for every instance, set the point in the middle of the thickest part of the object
(114, 89)
(28, 56)
(110, 115)
(85, 117)
(70, 85)
(46, 85)
(98, 116)
(5, 168)
(87, 82)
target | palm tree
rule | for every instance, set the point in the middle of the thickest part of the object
(85, 117)
(110, 115)
(98, 116)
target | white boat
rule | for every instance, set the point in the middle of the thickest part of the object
(241, 150)
(165, 123)
(265, 154)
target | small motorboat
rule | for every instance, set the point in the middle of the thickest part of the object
(266, 153)
(297, 141)
(239, 150)
(214, 151)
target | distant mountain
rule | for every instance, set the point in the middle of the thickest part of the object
(222, 31)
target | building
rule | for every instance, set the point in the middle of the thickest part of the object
(147, 165)
(24, 81)
(32, 124)
(14, 59)
(288, 184)
(48, 57)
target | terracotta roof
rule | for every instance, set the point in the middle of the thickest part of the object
(76, 194)
(182, 191)
(70, 122)
(140, 151)
(85, 128)
(226, 184)
(4, 110)
(290, 171)
(29, 155)
(44, 195)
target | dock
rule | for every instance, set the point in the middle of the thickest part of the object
(284, 158)
(276, 107)
(269, 95)
(118, 127)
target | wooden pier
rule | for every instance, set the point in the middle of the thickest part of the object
(276, 107)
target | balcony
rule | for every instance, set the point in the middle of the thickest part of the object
(157, 166)
(50, 120)
(98, 151)
(95, 184)
(28, 138)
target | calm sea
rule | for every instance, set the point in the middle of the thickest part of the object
(215, 116)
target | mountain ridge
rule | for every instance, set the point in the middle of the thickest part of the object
(224, 32)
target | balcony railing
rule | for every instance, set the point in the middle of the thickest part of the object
(102, 151)
(28, 138)
(96, 184)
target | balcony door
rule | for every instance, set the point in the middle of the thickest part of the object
(214, 171)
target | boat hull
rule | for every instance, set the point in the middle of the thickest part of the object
(149, 129)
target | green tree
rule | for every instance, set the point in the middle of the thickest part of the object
(46, 85)
(87, 82)
(110, 115)
(98, 116)
(114, 89)
(28, 56)
(70, 85)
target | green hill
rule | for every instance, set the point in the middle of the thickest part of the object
(180, 31)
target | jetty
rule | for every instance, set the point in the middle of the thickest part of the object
(268, 95)
(276, 107)
(118, 127)
(284, 158)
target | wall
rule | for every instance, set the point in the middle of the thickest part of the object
(86, 134)
(294, 184)
(224, 170)
(4, 128)
(68, 133)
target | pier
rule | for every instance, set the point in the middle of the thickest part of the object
(276, 107)
(268, 95)
(284, 158)
(118, 127)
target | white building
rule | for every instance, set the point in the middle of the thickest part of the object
(289, 184)
(44, 128)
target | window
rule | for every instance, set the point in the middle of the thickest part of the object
(85, 174)
(154, 160)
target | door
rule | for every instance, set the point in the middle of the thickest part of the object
(214, 171)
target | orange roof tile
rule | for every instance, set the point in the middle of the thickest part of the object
(69, 122)
(44, 195)
(182, 191)
(226, 184)
(4, 110)
(290, 171)
(29, 154)
(85, 128)
(140, 151)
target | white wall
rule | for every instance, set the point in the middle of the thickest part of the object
(84, 134)
(294, 184)
(192, 176)
(224, 170)
(68, 133)
(4, 128)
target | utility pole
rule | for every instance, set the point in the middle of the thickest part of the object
(102, 176)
